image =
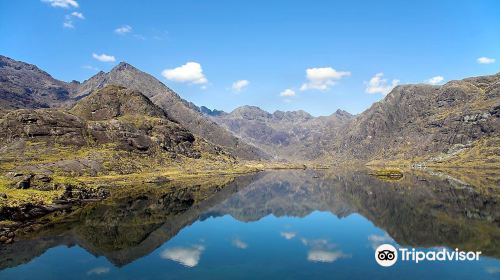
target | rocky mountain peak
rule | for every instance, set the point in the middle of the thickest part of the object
(250, 112)
(299, 115)
(209, 112)
(115, 101)
(186, 113)
(123, 66)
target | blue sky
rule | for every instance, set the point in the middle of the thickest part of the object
(270, 44)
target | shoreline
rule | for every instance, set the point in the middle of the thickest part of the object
(74, 192)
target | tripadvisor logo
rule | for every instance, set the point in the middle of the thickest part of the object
(387, 255)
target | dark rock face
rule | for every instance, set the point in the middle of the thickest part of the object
(292, 135)
(44, 124)
(24, 85)
(187, 114)
(113, 102)
(111, 115)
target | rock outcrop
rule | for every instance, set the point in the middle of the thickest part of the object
(112, 115)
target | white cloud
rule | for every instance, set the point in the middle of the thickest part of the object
(493, 269)
(435, 80)
(68, 19)
(287, 93)
(288, 235)
(68, 24)
(378, 84)
(322, 251)
(77, 15)
(122, 30)
(190, 72)
(98, 271)
(62, 3)
(104, 57)
(239, 85)
(239, 244)
(322, 78)
(377, 240)
(189, 256)
(323, 243)
(318, 255)
(485, 60)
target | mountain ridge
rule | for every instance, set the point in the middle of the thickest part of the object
(456, 123)
(179, 109)
(25, 86)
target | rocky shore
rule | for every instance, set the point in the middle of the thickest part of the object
(23, 216)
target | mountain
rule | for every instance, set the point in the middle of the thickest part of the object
(209, 112)
(114, 129)
(24, 85)
(292, 135)
(184, 112)
(456, 123)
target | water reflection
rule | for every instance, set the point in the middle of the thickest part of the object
(420, 210)
(187, 256)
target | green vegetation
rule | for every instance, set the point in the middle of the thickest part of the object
(17, 197)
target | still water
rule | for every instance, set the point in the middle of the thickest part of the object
(270, 225)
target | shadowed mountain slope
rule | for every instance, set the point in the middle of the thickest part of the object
(24, 85)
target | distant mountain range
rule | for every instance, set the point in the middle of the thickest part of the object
(292, 135)
(454, 124)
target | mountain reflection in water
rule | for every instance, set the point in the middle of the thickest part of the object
(420, 210)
